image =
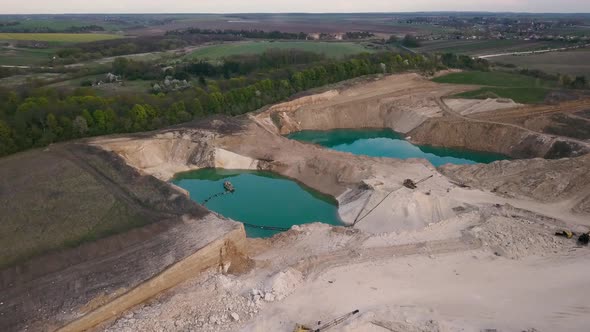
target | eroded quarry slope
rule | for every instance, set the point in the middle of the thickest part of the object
(471, 248)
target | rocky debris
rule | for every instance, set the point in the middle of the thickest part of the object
(283, 283)
(214, 304)
(515, 238)
(539, 179)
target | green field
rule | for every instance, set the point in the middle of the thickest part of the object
(59, 24)
(572, 63)
(520, 88)
(58, 37)
(494, 78)
(25, 56)
(334, 49)
(519, 95)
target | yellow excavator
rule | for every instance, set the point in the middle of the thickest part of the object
(330, 324)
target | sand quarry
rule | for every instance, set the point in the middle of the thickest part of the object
(472, 248)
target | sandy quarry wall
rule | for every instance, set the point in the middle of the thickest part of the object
(492, 137)
(217, 253)
(167, 154)
(401, 114)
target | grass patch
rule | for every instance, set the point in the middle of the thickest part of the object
(494, 78)
(59, 37)
(25, 56)
(520, 88)
(519, 95)
(574, 62)
(334, 50)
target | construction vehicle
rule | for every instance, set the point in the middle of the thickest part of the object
(330, 324)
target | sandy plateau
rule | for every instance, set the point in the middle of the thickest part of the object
(472, 248)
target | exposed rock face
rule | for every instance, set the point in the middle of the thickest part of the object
(166, 154)
(411, 105)
(538, 179)
(400, 102)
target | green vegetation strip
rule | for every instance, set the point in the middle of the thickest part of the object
(519, 95)
(494, 78)
(520, 88)
(334, 49)
(59, 37)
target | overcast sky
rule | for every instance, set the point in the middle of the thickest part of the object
(310, 6)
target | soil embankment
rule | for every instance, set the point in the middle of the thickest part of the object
(72, 193)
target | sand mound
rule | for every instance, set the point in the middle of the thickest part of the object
(472, 106)
(283, 283)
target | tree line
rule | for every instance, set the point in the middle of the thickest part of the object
(236, 65)
(72, 29)
(37, 117)
(252, 34)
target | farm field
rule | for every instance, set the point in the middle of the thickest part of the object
(24, 56)
(59, 37)
(483, 47)
(569, 62)
(520, 88)
(334, 49)
(494, 78)
(59, 24)
(519, 95)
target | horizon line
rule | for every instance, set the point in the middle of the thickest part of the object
(304, 13)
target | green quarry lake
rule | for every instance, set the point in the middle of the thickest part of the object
(387, 143)
(260, 199)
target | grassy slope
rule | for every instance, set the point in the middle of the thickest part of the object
(59, 37)
(69, 194)
(330, 49)
(520, 88)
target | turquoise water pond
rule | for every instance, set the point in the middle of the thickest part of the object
(387, 143)
(260, 199)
